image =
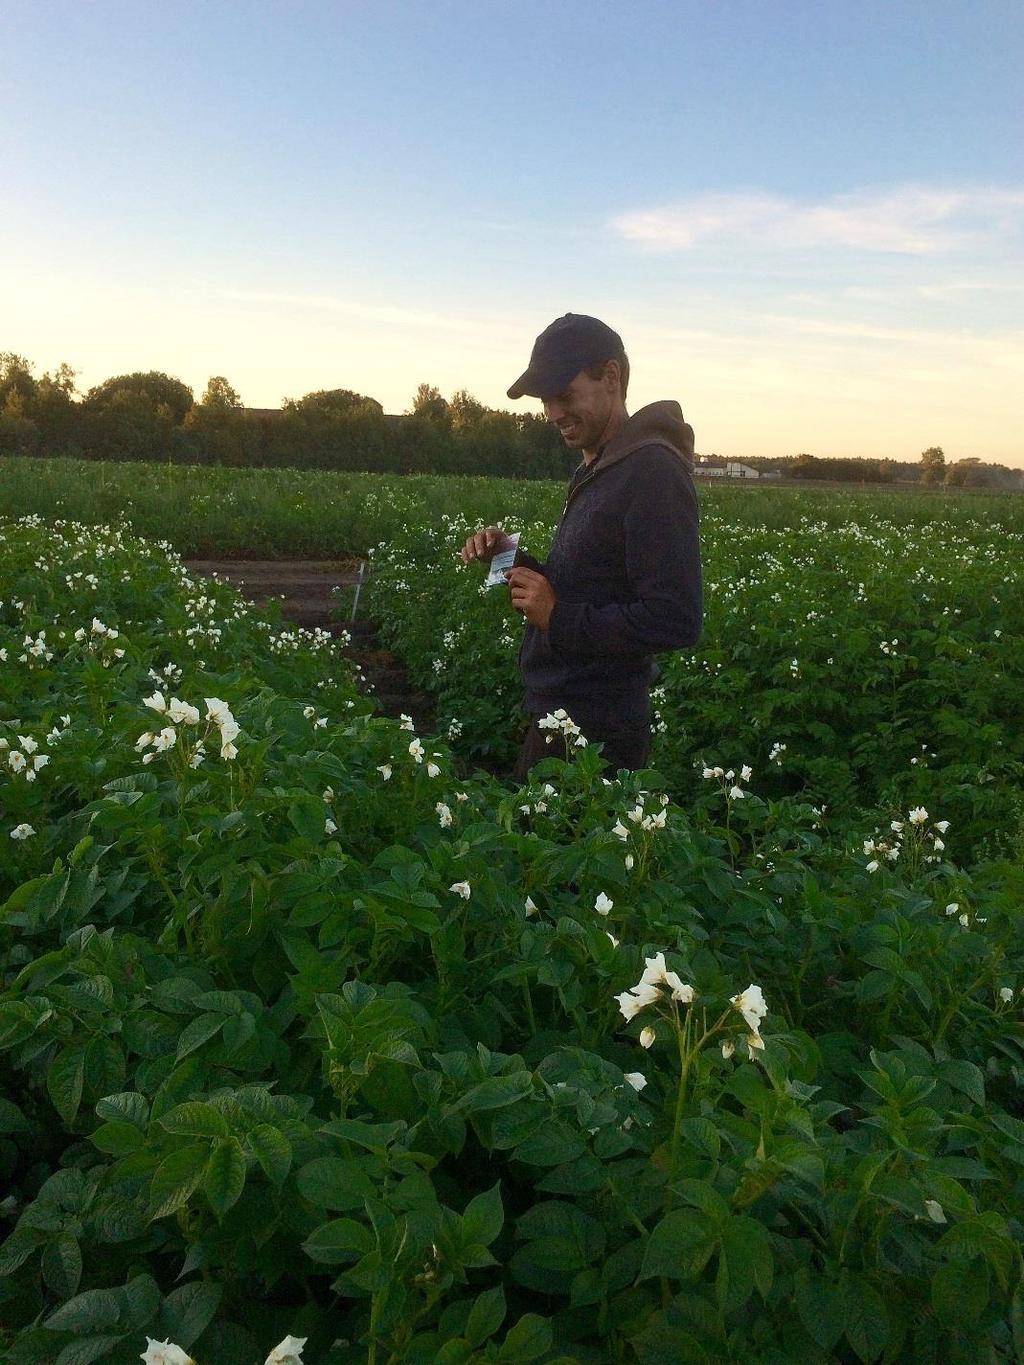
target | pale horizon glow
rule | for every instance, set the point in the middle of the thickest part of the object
(337, 197)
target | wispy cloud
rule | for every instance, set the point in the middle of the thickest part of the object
(916, 220)
(386, 314)
(1004, 347)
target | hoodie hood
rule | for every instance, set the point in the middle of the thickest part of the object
(658, 424)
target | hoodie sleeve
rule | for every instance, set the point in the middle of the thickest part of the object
(662, 551)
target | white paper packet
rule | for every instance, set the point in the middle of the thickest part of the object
(502, 563)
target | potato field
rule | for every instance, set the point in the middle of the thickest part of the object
(321, 1041)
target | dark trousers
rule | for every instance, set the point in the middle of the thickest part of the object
(623, 745)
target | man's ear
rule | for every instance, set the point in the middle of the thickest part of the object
(613, 375)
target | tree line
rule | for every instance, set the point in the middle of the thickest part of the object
(931, 470)
(154, 416)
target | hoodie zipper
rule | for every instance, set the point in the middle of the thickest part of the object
(575, 488)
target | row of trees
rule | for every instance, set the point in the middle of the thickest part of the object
(932, 470)
(147, 416)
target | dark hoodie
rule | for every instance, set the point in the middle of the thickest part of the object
(625, 567)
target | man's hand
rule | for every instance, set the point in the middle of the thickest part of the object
(532, 595)
(485, 545)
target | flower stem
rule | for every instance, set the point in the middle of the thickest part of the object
(682, 1040)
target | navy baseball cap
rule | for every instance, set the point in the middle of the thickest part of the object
(572, 343)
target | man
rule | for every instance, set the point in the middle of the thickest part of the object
(622, 580)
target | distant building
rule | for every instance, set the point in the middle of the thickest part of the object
(715, 468)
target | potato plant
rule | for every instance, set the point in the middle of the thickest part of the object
(308, 1033)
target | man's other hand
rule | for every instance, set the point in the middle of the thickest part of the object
(532, 595)
(485, 544)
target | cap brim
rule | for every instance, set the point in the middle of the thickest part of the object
(544, 384)
(525, 384)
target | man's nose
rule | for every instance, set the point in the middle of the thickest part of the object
(553, 411)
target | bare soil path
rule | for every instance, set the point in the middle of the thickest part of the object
(305, 588)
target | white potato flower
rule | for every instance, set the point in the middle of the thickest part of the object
(611, 939)
(24, 831)
(178, 711)
(1005, 993)
(681, 991)
(654, 970)
(746, 773)
(933, 1209)
(728, 1048)
(330, 827)
(229, 729)
(444, 815)
(656, 974)
(918, 815)
(416, 750)
(737, 793)
(636, 1079)
(433, 770)
(462, 889)
(638, 997)
(155, 702)
(872, 865)
(942, 826)
(952, 907)
(647, 1037)
(619, 830)
(751, 1004)
(530, 907)
(385, 771)
(287, 1352)
(603, 904)
(164, 1353)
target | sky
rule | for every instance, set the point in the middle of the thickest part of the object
(806, 220)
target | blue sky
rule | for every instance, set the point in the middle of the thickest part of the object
(806, 219)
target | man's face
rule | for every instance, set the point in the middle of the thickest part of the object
(582, 411)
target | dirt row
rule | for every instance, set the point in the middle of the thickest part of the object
(305, 589)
